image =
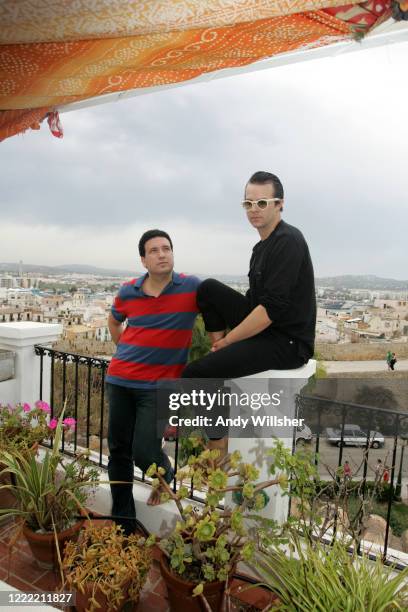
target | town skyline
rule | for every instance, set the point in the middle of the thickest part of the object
(369, 280)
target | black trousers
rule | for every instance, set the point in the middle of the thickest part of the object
(223, 307)
(132, 440)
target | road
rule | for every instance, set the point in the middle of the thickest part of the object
(329, 456)
(336, 367)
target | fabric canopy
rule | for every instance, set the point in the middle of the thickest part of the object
(56, 53)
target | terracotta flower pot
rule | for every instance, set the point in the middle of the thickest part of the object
(180, 592)
(82, 602)
(258, 597)
(43, 545)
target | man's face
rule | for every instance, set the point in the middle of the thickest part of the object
(158, 257)
(268, 216)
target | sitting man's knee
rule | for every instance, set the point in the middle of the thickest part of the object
(207, 287)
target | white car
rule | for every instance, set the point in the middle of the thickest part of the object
(354, 436)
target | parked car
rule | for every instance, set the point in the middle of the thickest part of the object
(354, 436)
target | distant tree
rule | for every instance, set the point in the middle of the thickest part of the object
(73, 289)
(377, 396)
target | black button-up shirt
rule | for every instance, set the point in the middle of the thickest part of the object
(281, 279)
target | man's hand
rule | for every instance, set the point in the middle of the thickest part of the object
(253, 324)
(220, 344)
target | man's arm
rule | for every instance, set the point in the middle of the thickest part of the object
(115, 328)
(281, 274)
(253, 324)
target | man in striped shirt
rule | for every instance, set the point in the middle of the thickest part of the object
(159, 310)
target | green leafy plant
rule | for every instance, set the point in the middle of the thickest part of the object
(317, 578)
(209, 541)
(200, 344)
(191, 445)
(104, 562)
(50, 493)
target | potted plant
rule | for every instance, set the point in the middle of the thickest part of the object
(208, 542)
(313, 576)
(106, 568)
(49, 495)
(22, 428)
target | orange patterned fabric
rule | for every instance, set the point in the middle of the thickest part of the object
(27, 21)
(40, 77)
(18, 121)
(53, 74)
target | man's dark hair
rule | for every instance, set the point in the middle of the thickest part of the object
(154, 233)
(262, 178)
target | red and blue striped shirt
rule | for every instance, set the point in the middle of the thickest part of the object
(157, 338)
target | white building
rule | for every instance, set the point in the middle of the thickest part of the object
(388, 326)
(8, 281)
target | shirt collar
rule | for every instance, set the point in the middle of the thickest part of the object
(139, 282)
(176, 280)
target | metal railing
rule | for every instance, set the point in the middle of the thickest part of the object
(321, 413)
(78, 382)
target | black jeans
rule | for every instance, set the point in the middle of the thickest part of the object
(223, 307)
(132, 439)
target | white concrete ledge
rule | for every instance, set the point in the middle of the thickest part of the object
(305, 371)
(20, 338)
(26, 333)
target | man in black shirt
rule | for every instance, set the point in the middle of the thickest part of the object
(273, 325)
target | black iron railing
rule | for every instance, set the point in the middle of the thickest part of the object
(321, 413)
(78, 383)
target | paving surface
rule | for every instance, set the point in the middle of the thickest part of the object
(23, 573)
(334, 367)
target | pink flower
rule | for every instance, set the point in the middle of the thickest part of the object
(70, 422)
(26, 407)
(53, 423)
(43, 406)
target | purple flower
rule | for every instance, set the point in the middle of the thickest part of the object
(26, 407)
(70, 422)
(53, 424)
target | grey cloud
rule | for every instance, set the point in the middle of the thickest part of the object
(186, 154)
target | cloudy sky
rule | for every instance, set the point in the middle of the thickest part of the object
(335, 130)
